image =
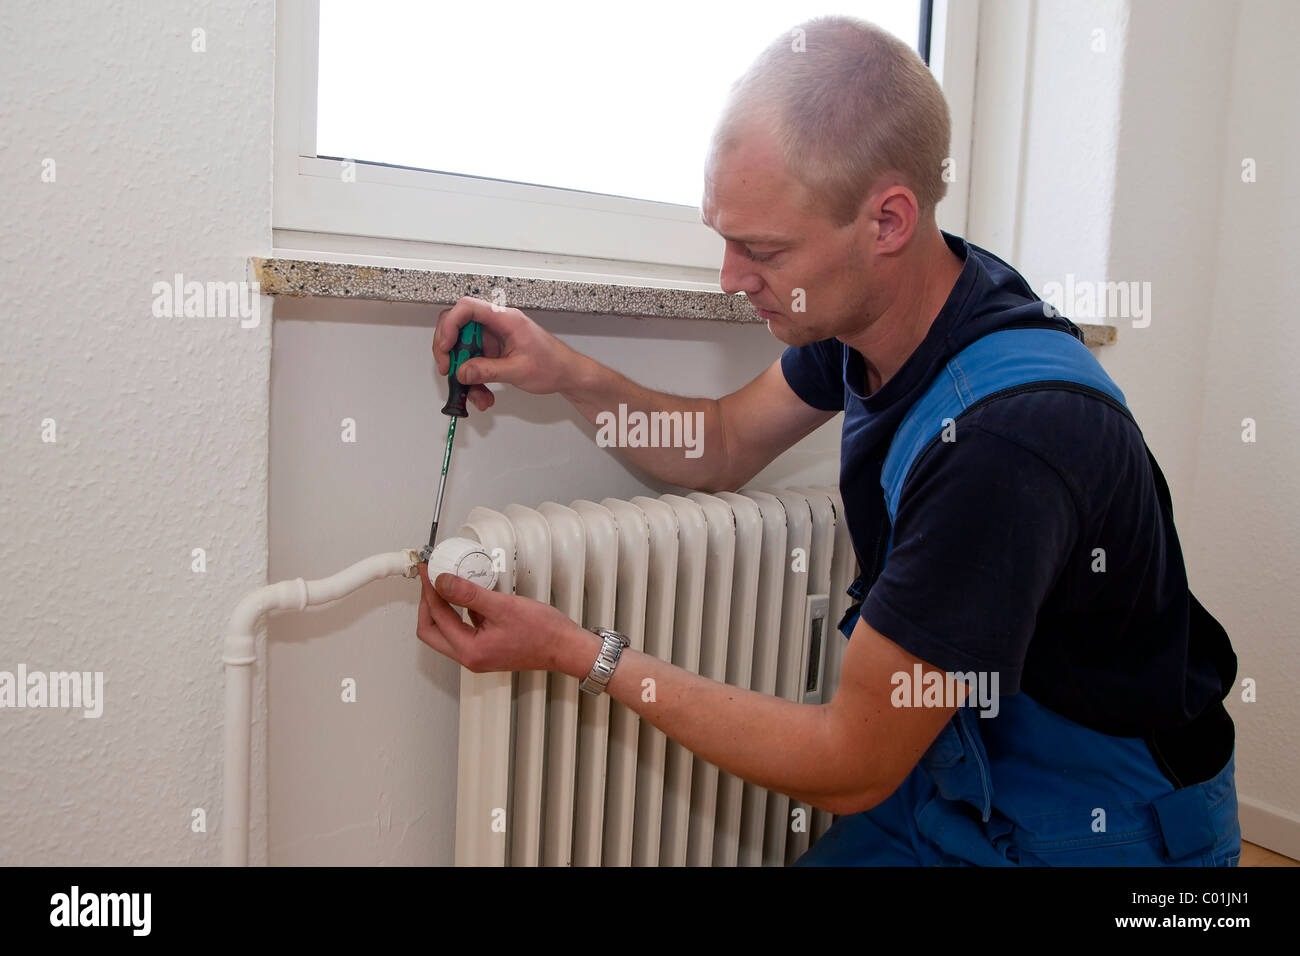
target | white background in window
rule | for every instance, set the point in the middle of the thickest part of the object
(582, 95)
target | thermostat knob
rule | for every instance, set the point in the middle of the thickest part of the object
(464, 558)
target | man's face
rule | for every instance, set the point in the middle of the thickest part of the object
(779, 241)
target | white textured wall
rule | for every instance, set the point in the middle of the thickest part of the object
(374, 782)
(1167, 218)
(162, 166)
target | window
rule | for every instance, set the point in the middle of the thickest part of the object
(575, 132)
(578, 95)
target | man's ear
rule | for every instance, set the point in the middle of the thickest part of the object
(895, 211)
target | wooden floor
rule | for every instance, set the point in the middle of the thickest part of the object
(1252, 855)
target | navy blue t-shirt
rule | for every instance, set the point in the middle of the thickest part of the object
(994, 563)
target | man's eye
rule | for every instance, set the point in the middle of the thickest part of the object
(755, 257)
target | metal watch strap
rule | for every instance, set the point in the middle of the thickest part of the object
(611, 647)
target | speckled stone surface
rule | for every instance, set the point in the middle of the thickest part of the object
(301, 277)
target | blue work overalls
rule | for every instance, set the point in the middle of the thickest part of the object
(1027, 786)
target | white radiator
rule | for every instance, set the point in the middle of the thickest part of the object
(743, 588)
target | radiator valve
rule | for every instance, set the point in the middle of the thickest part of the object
(463, 557)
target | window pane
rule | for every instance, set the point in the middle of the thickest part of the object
(584, 97)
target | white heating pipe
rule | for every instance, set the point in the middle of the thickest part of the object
(240, 654)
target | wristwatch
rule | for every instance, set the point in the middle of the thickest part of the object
(611, 647)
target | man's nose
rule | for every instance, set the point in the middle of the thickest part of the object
(737, 274)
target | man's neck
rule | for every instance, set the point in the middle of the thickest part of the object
(924, 287)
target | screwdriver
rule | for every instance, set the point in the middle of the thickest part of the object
(469, 346)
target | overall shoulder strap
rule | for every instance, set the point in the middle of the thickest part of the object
(998, 363)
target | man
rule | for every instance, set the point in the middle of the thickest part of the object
(1026, 536)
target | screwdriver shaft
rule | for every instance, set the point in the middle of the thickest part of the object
(442, 481)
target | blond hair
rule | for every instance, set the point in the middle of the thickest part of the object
(847, 102)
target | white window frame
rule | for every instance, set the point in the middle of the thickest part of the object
(395, 212)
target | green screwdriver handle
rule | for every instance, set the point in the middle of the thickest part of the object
(469, 346)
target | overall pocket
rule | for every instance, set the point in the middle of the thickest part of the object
(959, 765)
(959, 818)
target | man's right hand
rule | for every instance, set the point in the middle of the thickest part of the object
(516, 350)
(742, 432)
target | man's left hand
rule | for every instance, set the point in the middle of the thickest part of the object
(509, 633)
